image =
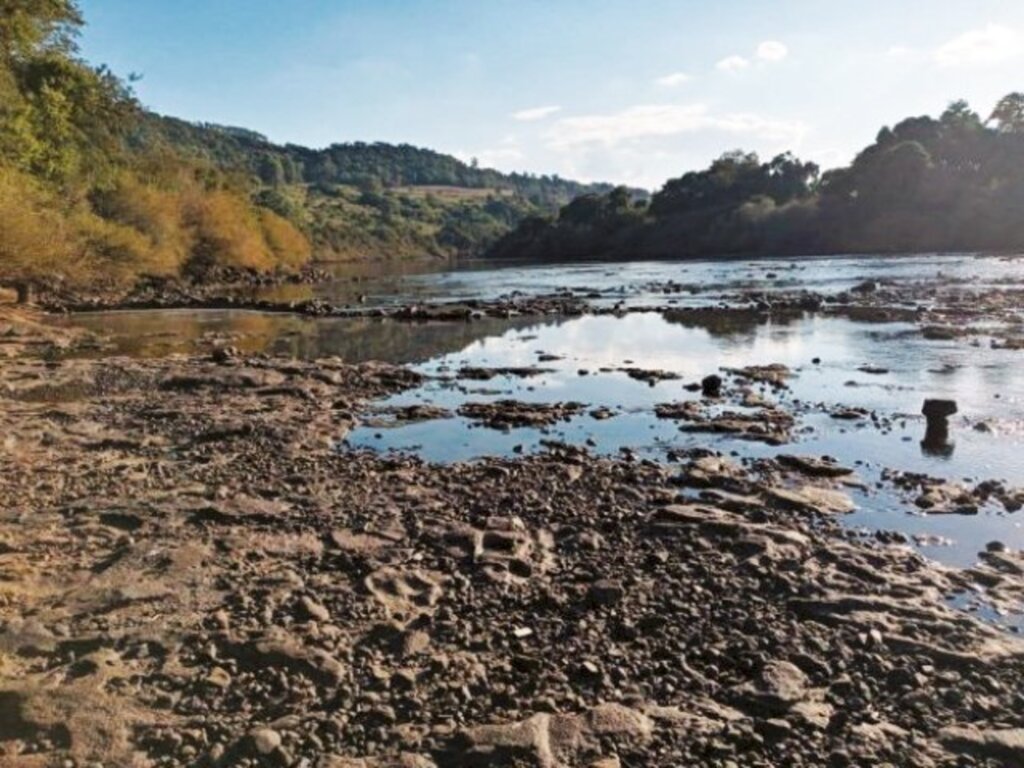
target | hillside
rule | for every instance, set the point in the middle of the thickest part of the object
(361, 200)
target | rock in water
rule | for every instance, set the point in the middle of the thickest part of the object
(711, 386)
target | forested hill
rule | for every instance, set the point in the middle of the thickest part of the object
(95, 191)
(362, 200)
(951, 183)
(359, 164)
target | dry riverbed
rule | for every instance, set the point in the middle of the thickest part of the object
(194, 571)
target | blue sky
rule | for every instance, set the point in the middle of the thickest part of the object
(633, 92)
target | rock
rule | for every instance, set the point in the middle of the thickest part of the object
(810, 499)
(1005, 745)
(550, 740)
(711, 386)
(605, 592)
(815, 467)
(403, 680)
(779, 686)
(218, 678)
(312, 610)
(265, 740)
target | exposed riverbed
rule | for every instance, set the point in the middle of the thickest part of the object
(638, 515)
(884, 368)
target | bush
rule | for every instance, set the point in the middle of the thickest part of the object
(227, 234)
(290, 247)
(34, 241)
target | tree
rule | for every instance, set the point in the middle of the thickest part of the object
(33, 240)
(1008, 114)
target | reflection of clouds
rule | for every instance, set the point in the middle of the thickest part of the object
(649, 341)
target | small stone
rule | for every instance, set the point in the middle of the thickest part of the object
(403, 680)
(605, 592)
(312, 610)
(265, 740)
(218, 678)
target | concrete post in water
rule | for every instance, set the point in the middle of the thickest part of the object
(936, 435)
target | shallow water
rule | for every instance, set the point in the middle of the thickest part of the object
(986, 383)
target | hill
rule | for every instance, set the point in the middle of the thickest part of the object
(370, 200)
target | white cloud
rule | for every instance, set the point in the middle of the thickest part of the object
(772, 50)
(658, 120)
(732, 64)
(674, 79)
(535, 113)
(992, 44)
(899, 51)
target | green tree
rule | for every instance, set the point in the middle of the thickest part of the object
(1008, 114)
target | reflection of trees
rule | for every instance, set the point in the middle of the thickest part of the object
(361, 339)
(156, 333)
(735, 325)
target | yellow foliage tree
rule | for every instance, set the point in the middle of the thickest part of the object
(155, 213)
(290, 247)
(34, 240)
(227, 234)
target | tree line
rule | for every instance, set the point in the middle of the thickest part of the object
(951, 183)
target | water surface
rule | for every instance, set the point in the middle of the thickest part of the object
(987, 384)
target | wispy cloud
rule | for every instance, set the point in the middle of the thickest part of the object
(674, 79)
(535, 113)
(732, 64)
(985, 46)
(657, 120)
(772, 50)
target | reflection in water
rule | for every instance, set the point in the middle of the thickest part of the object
(160, 333)
(936, 441)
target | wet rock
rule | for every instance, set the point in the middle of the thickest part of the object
(506, 414)
(486, 374)
(711, 386)
(774, 374)
(815, 467)
(648, 376)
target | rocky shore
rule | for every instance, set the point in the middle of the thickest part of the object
(194, 571)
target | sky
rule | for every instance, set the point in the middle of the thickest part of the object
(625, 91)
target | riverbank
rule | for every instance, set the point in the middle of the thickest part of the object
(196, 572)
